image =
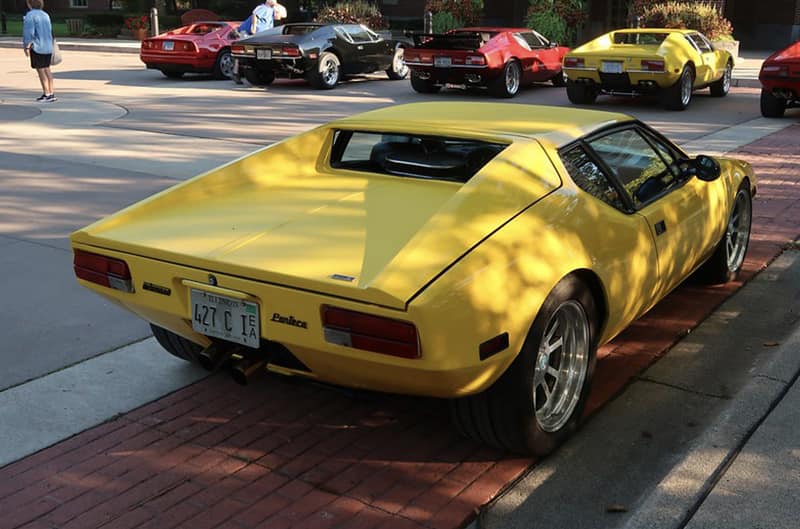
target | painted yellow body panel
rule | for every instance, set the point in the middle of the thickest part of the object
(675, 51)
(464, 263)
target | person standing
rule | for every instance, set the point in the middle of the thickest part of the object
(261, 19)
(37, 41)
(279, 12)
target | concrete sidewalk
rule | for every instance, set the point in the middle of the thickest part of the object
(78, 44)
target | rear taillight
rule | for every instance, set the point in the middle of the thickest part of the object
(776, 69)
(370, 333)
(653, 66)
(146, 44)
(573, 62)
(102, 270)
(426, 58)
(475, 60)
(237, 49)
(290, 51)
(411, 57)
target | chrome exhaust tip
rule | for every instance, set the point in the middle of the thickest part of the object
(247, 369)
(213, 357)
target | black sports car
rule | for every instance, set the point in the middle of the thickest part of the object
(320, 53)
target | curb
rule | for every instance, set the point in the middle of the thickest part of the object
(72, 46)
(672, 504)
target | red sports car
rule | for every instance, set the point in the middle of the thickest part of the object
(202, 47)
(780, 81)
(500, 59)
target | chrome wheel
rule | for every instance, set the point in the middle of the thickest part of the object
(686, 88)
(726, 79)
(329, 69)
(512, 78)
(226, 65)
(399, 64)
(737, 233)
(561, 364)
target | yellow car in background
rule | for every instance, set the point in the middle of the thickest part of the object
(668, 62)
(477, 252)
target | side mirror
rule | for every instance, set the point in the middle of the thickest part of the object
(705, 168)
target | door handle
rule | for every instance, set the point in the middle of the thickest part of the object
(660, 227)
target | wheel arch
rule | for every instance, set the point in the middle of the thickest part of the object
(598, 292)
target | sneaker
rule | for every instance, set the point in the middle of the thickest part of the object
(50, 99)
(41, 98)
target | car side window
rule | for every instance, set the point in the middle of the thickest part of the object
(590, 177)
(706, 42)
(533, 40)
(699, 43)
(642, 170)
(358, 34)
(521, 41)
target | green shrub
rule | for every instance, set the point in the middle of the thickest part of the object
(452, 14)
(558, 20)
(353, 12)
(701, 17)
(445, 21)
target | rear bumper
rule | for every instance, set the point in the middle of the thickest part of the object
(458, 75)
(628, 81)
(438, 373)
(287, 68)
(784, 87)
(179, 62)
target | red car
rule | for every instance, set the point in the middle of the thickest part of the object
(500, 59)
(202, 47)
(780, 81)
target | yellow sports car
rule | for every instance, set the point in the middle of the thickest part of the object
(473, 251)
(668, 62)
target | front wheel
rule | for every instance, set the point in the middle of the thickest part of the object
(537, 403)
(423, 86)
(581, 93)
(507, 85)
(679, 95)
(327, 72)
(259, 77)
(722, 86)
(771, 106)
(726, 261)
(398, 69)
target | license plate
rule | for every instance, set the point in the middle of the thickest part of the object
(169, 45)
(264, 54)
(611, 67)
(442, 62)
(230, 319)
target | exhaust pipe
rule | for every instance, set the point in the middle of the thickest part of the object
(248, 369)
(213, 356)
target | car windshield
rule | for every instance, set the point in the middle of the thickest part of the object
(642, 39)
(412, 155)
(202, 28)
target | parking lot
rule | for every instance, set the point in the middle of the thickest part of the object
(153, 443)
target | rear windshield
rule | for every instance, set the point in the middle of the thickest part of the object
(416, 156)
(640, 38)
(202, 28)
(454, 40)
(299, 29)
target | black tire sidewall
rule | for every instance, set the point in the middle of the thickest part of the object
(536, 440)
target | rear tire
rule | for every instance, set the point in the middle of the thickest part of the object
(538, 402)
(259, 77)
(721, 86)
(423, 86)
(327, 72)
(223, 67)
(771, 106)
(508, 84)
(679, 95)
(581, 93)
(726, 261)
(176, 345)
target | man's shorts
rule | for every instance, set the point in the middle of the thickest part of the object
(39, 60)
